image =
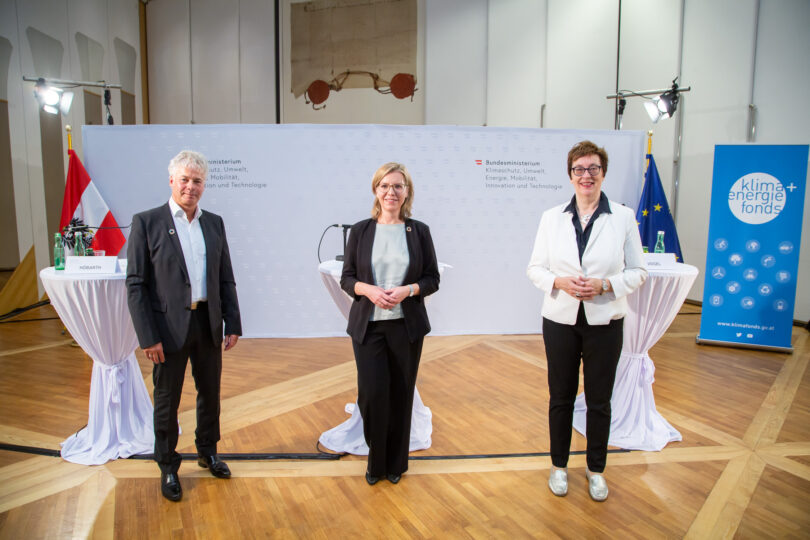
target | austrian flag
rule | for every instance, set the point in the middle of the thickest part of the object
(83, 201)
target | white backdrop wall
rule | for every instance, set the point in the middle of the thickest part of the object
(482, 60)
(290, 182)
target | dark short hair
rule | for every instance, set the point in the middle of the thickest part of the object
(587, 148)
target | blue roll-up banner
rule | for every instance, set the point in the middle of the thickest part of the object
(752, 257)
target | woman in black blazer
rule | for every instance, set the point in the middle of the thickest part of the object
(390, 267)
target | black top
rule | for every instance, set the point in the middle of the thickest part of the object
(583, 236)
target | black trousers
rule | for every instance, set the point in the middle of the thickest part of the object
(206, 367)
(387, 363)
(599, 348)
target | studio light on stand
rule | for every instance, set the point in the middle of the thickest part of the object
(53, 97)
(665, 105)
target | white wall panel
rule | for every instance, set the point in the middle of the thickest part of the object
(16, 120)
(718, 67)
(779, 94)
(581, 63)
(48, 17)
(215, 61)
(456, 62)
(650, 39)
(257, 62)
(167, 29)
(516, 62)
(123, 24)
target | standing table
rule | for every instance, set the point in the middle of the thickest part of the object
(635, 423)
(93, 307)
(348, 436)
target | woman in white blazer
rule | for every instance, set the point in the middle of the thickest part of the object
(587, 258)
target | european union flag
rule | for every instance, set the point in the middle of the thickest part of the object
(653, 214)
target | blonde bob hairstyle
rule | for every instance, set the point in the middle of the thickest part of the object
(405, 209)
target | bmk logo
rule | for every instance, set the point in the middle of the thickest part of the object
(479, 162)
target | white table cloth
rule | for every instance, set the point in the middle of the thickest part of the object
(348, 436)
(635, 423)
(93, 307)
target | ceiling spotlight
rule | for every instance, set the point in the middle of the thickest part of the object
(663, 106)
(52, 99)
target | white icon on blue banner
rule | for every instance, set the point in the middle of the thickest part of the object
(765, 289)
(752, 246)
(735, 259)
(768, 261)
(733, 287)
(747, 302)
(716, 300)
(783, 276)
(718, 272)
(721, 244)
(785, 247)
(780, 305)
(749, 274)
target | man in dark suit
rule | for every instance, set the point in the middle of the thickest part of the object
(181, 290)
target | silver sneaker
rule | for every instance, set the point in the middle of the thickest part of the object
(597, 486)
(558, 481)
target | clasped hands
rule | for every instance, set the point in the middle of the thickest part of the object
(386, 298)
(580, 287)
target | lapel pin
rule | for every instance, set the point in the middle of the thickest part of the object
(408, 229)
(171, 231)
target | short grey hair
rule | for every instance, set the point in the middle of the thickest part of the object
(190, 159)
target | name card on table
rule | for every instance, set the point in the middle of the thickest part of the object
(91, 265)
(660, 261)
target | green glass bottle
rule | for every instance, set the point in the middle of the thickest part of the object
(58, 252)
(78, 247)
(659, 244)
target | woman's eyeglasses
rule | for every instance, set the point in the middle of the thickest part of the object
(398, 188)
(593, 170)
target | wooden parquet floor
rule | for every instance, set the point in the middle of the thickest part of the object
(742, 469)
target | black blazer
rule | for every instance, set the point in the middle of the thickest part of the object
(158, 285)
(422, 269)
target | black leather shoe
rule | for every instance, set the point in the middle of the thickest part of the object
(170, 486)
(394, 478)
(217, 467)
(371, 479)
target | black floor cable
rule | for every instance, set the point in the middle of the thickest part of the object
(19, 311)
(321, 455)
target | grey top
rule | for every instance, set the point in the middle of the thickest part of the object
(389, 262)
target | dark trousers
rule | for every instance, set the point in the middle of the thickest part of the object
(599, 348)
(206, 367)
(387, 363)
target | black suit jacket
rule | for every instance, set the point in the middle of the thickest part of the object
(158, 284)
(422, 269)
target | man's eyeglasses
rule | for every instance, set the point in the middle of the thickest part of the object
(593, 170)
(383, 188)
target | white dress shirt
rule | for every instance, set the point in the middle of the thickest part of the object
(191, 240)
(613, 253)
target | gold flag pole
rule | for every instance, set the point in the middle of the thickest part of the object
(649, 145)
(70, 137)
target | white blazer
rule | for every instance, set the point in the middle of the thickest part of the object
(613, 253)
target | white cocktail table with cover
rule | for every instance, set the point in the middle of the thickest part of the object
(93, 307)
(635, 423)
(348, 436)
